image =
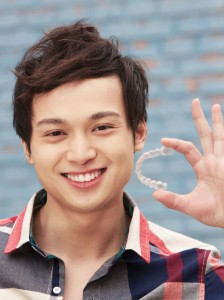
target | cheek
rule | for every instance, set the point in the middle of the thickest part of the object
(124, 167)
(124, 157)
(43, 152)
(44, 158)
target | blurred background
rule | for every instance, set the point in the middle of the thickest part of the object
(181, 42)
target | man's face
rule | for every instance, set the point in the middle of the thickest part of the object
(81, 146)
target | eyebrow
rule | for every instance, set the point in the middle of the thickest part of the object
(53, 121)
(96, 116)
(104, 114)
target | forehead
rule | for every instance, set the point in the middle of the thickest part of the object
(80, 99)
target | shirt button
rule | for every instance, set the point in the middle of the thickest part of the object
(57, 290)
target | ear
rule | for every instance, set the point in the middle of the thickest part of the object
(140, 136)
(27, 152)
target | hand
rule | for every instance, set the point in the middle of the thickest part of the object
(206, 202)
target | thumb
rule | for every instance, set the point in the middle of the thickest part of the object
(171, 200)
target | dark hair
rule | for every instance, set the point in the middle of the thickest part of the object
(72, 53)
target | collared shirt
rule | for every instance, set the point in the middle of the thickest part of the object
(155, 263)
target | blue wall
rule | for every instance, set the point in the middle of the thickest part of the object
(182, 43)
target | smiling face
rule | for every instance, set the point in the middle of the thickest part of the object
(81, 146)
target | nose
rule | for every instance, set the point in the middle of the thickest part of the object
(80, 150)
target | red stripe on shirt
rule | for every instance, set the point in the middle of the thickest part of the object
(202, 262)
(220, 273)
(172, 290)
(175, 266)
(154, 239)
(144, 238)
(14, 238)
(8, 221)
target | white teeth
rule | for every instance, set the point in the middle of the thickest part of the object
(84, 177)
(87, 177)
(81, 178)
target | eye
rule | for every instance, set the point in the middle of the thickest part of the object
(102, 127)
(56, 133)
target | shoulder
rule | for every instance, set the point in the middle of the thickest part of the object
(193, 256)
(6, 226)
(160, 236)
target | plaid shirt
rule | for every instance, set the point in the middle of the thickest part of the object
(155, 263)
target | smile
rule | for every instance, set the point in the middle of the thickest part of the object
(84, 177)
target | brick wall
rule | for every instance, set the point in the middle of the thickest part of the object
(182, 43)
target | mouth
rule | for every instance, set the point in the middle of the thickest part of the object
(84, 179)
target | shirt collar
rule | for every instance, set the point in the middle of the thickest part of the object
(21, 229)
(139, 236)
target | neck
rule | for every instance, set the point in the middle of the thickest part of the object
(75, 235)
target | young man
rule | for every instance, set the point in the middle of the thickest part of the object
(80, 111)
